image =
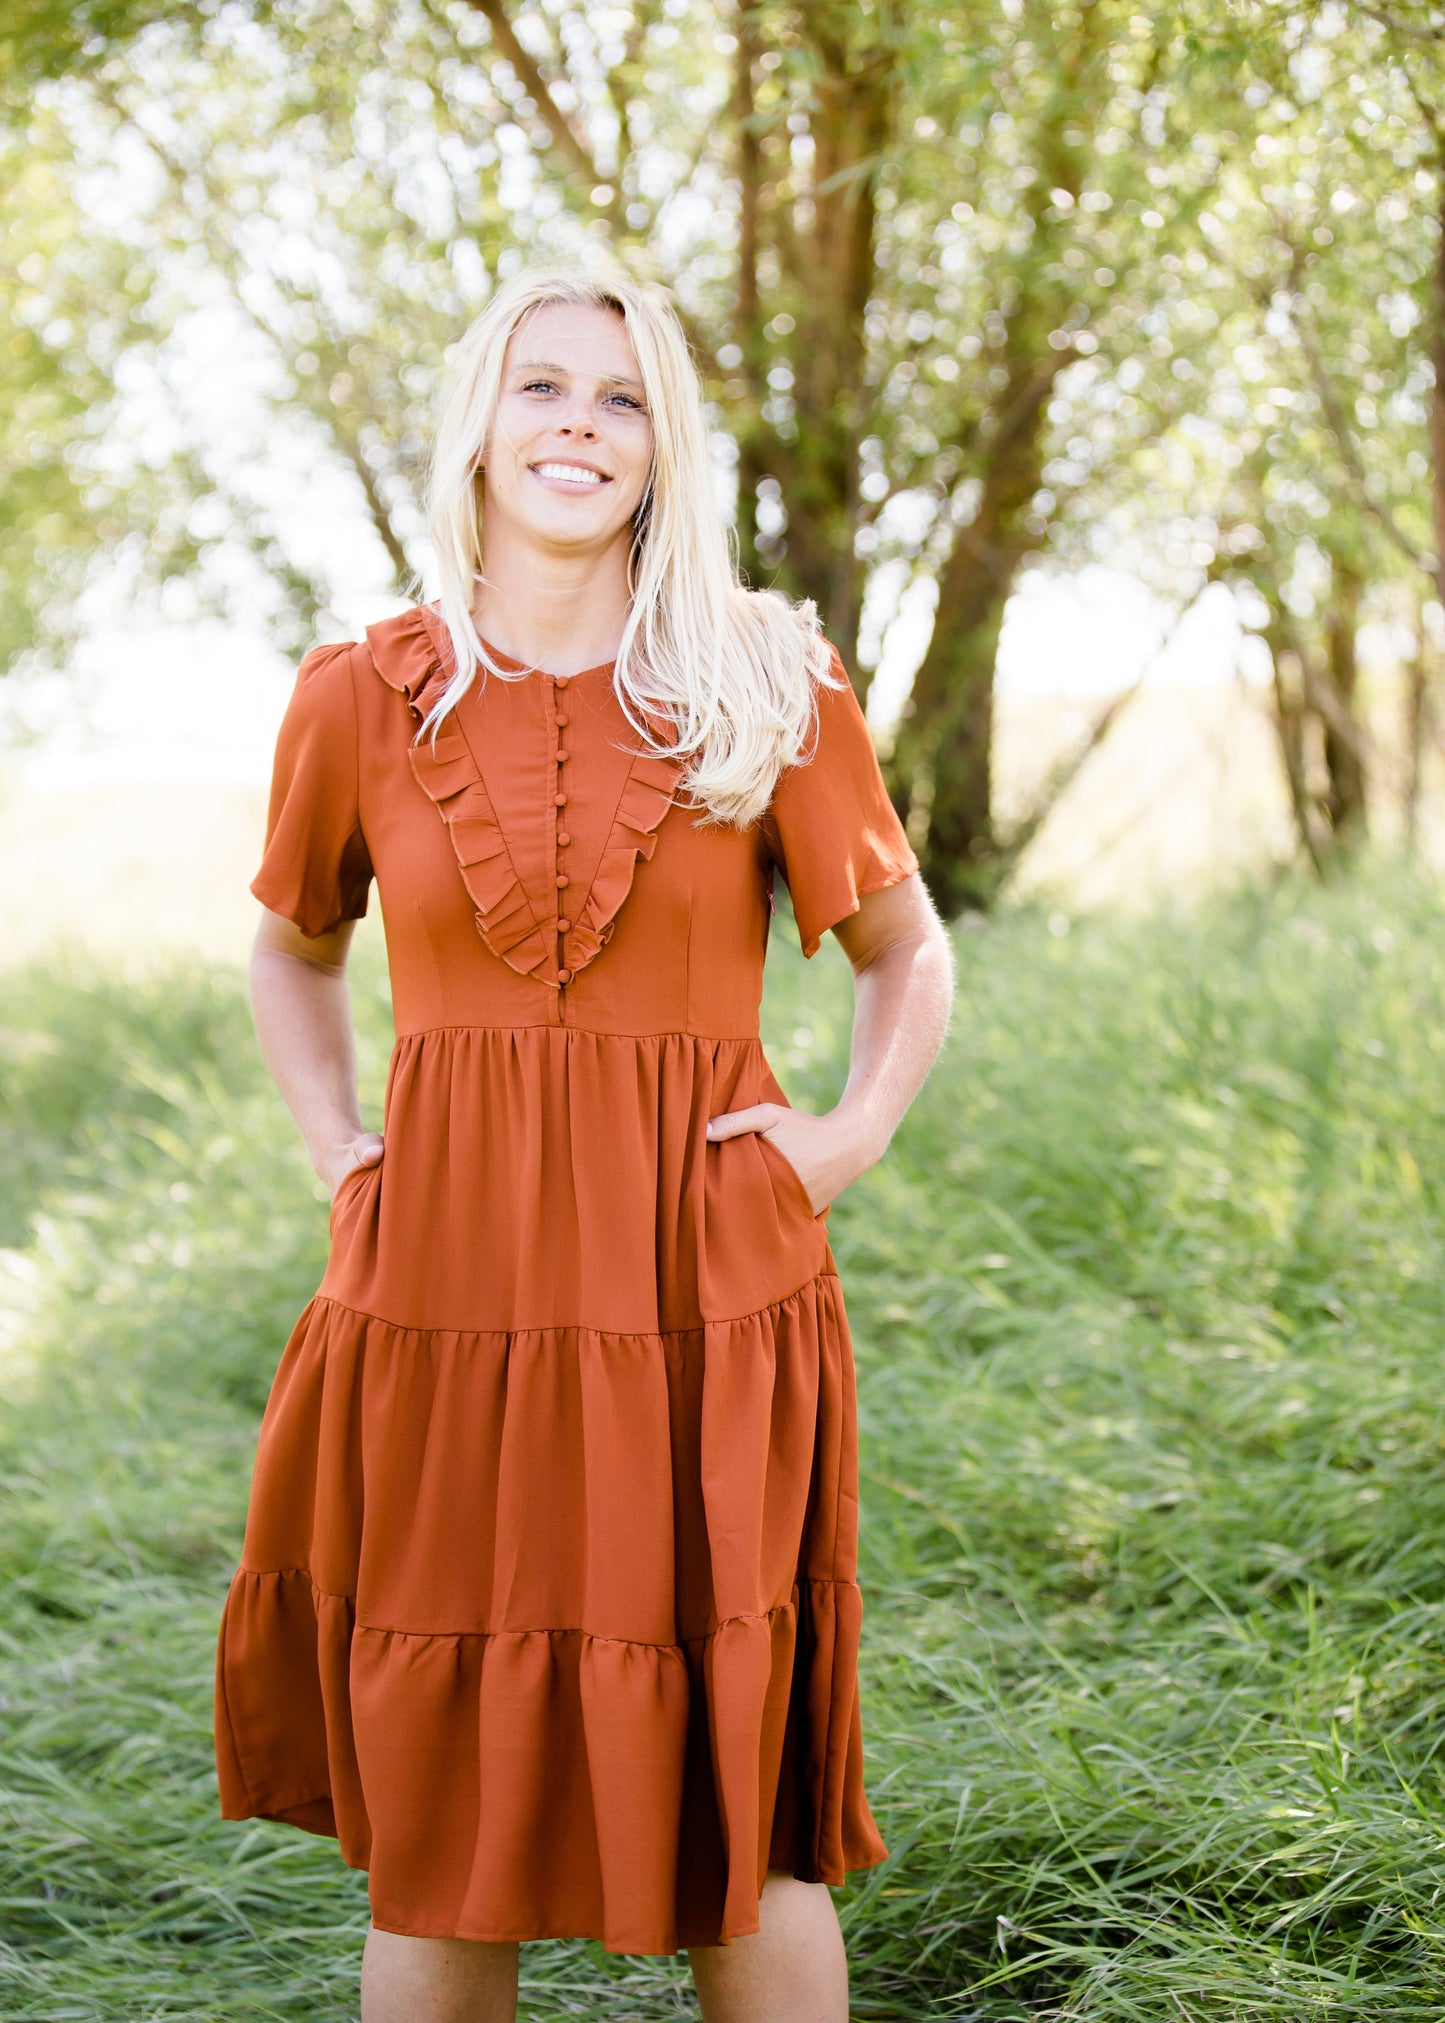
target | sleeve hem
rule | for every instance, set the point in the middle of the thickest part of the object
(893, 873)
(295, 911)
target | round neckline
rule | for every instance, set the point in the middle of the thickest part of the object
(510, 660)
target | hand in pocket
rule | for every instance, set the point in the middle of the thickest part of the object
(353, 1157)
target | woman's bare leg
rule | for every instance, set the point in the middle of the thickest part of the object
(792, 1970)
(437, 1980)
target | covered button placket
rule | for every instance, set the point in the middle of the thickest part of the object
(561, 753)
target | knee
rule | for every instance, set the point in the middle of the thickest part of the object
(453, 1980)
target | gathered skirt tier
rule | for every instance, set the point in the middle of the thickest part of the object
(548, 1605)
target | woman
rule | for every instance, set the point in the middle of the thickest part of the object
(548, 1607)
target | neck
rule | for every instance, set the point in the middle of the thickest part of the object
(561, 613)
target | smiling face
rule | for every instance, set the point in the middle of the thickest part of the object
(567, 459)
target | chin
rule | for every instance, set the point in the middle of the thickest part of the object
(592, 530)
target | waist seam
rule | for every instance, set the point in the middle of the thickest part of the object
(584, 1032)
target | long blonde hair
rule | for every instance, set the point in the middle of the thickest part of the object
(729, 669)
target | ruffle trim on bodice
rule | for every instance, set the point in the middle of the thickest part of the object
(412, 653)
(448, 773)
(646, 797)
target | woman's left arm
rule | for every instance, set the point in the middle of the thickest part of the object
(903, 978)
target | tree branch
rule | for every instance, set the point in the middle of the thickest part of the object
(1349, 449)
(344, 429)
(570, 141)
(1320, 696)
(1264, 292)
(1387, 18)
(617, 82)
(749, 150)
(1068, 768)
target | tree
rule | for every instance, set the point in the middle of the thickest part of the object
(1328, 228)
(971, 289)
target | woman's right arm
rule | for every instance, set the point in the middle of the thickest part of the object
(302, 1012)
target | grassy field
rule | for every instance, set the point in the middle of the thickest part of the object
(1147, 1300)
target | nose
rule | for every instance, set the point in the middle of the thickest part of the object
(577, 414)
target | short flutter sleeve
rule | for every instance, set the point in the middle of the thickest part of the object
(830, 827)
(316, 869)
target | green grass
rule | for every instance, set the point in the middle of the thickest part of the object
(1147, 1301)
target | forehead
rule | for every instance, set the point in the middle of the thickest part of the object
(577, 337)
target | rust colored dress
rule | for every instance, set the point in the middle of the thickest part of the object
(547, 1606)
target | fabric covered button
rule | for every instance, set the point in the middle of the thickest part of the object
(451, 1425)
(560, 757)
(561, 723)
(563, 838)
(561, 800)
(562, 879)
(561, 680)
(563, 926)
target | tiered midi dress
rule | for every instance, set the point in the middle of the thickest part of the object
(548, 1607)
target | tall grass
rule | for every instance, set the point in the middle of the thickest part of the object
(1147, 1300)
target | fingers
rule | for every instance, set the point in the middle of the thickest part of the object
(362, 1152)
(732, 1123)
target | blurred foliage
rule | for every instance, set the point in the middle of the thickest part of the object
(1147, 1299)
(40, 39)
(972, 289)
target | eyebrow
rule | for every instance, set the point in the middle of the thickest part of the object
(542, 365)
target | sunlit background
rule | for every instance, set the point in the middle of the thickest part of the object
(1086, 365)
(1130, 348)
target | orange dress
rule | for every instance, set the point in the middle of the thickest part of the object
(547, 1606)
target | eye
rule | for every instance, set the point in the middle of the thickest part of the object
(550, 386)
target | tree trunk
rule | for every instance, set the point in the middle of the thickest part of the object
(1417, 733)
(747, 321)
(1289, 717)
(945, 739)
(943, 750)
(1344, 801)
(1290, 709)
(824, 236)
(856, 102)
(1437, 360)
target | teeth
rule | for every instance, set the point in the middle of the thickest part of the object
(569, 473)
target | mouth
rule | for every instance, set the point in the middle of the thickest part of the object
(564, 476)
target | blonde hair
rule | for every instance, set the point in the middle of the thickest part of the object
(730, 669)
